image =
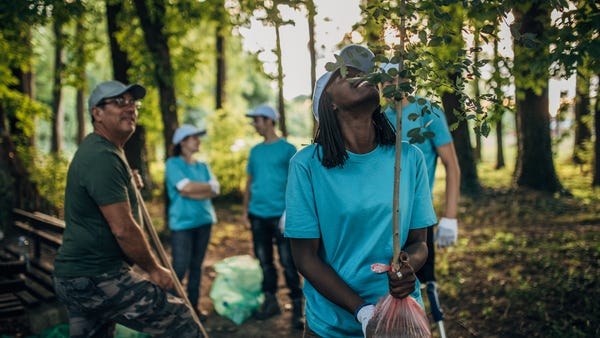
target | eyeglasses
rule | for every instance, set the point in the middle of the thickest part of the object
(122, 102)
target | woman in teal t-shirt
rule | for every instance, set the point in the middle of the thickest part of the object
(190, 186)
(339, 208)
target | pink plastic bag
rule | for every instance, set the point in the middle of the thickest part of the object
(398, 318)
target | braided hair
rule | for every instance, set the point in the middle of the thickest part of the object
(329, 136)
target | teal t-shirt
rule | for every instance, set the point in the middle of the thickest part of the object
(268, 165)
(187, 213)
(98, 175)
(435, 122)
(350, 210)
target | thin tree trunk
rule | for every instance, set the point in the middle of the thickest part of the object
(281, 101)
(583, 133)
(82, 80)
(57, 103)
(596, 179)
(469, 181)
(499, 145)
(312, 12)
(120, 60)
(221, 67)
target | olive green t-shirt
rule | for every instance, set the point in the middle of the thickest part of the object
(98, 175)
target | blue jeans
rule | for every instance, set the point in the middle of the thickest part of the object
(188, 248)
(265, 231)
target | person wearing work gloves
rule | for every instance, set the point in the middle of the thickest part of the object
(190, 186)
(442, 146)
(339, 204)
(264, 209)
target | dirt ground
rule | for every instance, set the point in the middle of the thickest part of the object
(230, 238)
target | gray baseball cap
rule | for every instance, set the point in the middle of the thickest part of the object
(114, 88)
(359, 57)
(355, 56)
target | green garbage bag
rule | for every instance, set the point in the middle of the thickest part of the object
(236, 291)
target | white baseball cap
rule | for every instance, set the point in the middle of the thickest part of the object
(266, 111)
(184, 131)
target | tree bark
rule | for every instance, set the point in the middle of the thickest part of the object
(535, 167)
(469, 181)
(281, 101)
(58, 116)
(312, 12)
(596, 179)
(221, 67)
(157, 43)
(499, 145)
(583, 133)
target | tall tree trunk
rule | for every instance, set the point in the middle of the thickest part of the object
(120, 60)
(57, 103)
(221, 67)
(499, 145)
(82, 79)
(135, 148)
(281, 101)
(596, 179)
(535, 168)
(152, 22)
(583, 133)
(469, 181)
(312, 13)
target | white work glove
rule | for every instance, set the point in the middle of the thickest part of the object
(447, 232)
(364, 315)
(214, 185)
(281, 223)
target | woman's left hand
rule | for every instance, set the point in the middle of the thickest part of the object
(402, 282)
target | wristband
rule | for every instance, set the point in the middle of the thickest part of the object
(360, 308)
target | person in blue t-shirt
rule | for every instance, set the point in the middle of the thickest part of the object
(422, 114)
(339, 203)
(263, 208)
(190, 187)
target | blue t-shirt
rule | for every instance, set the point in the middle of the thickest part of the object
(268, 165)
(187, 213)
(350, 210)
(437, 124)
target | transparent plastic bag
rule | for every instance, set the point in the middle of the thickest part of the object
(398, 318)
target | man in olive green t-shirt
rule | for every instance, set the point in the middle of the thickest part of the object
(92, 274)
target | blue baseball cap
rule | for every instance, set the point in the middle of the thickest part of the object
(186, 130)
(266, 111)
(108, 89)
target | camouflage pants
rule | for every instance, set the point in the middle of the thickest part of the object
(97, 304)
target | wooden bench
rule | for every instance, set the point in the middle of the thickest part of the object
(29, 281)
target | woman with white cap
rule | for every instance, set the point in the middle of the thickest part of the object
(190, 186)
(339, 204)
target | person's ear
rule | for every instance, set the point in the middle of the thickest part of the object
(96, 113)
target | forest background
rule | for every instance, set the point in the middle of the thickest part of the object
(189, 55)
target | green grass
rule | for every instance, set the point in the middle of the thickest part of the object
(527, 264)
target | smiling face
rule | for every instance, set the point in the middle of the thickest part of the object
(117, 123)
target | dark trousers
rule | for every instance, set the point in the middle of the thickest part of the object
(426, 273)
(188, 248)
(265, 233)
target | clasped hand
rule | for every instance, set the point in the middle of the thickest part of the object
(402, 282)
